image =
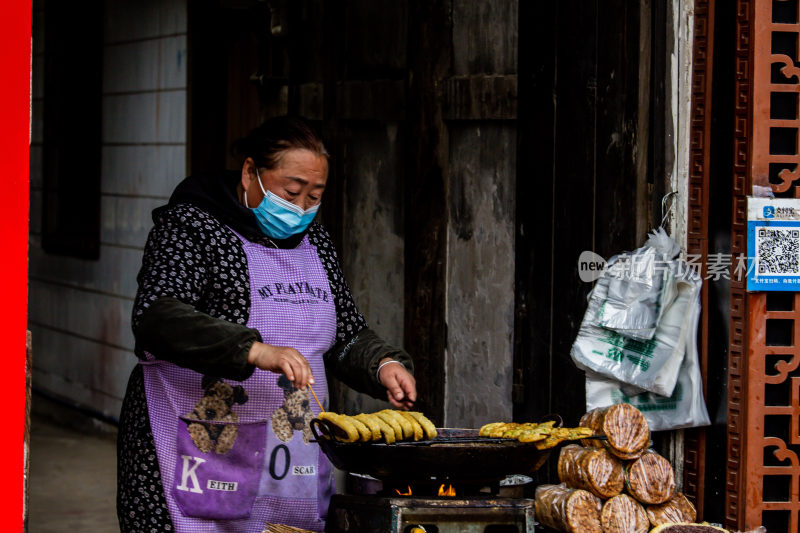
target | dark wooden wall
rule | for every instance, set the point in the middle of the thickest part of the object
(347, 65)
(421, 103)
(585, 93)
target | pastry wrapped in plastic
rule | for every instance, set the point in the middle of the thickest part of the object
(592, 469)
(675, 510)
(564, 509)
(627, 431)
(624, 426)
(623, 514)
(568, 469)
(650, 479)
(593, 420)
(704, 527)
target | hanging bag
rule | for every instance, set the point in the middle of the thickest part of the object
(685, 407)
(651, 365)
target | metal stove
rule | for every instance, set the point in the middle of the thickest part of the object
(386, 507)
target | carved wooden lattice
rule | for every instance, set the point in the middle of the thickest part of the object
(771, 483)
(737, 355)
(697, 242)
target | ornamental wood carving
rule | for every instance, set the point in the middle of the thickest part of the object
(764, 437)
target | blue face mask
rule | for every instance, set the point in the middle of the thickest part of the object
(278, 218)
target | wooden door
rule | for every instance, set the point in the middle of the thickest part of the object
(590, 175)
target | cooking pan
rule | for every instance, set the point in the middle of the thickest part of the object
(455, 454)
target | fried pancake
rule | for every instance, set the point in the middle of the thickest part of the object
(374, 427)
(364, 432)
(557, 436)
(389, 435)
(405, 425)
(499, 431)
(390, 420)
(531, 436)
(418, 432)
(344, 430)
(487, 428)
(427, 426)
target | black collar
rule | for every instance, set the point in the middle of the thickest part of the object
(216, 194)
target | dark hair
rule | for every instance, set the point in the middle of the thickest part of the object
(267, 143)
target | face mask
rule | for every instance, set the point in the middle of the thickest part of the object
(278, 218)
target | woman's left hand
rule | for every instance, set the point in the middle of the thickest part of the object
(401, 387)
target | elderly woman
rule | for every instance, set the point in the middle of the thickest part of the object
(241, 309)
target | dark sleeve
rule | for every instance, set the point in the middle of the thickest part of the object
(355, 361)
(174, 331)
(358, 350)
(177, 265)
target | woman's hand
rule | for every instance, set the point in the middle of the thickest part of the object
(401, 387)
(282, 360)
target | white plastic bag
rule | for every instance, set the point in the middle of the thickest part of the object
(639, 288)
(684, 408)
(651, 365)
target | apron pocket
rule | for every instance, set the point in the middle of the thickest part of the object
(217, 468)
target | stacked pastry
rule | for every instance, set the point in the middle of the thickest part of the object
(566, 509)
(631, 487)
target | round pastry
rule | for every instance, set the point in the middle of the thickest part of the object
(564, 509)
(688, 528)
(650, 479)
(592, 469)
(594, 420)
(626, 456)
(603, 473)
(568, 465)
(676, 510)
(627, 430)
(623, 514)
(582, 513)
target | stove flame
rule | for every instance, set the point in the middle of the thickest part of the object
(449, 491)
(404, 493)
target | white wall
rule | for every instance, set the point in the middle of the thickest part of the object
(79, 311)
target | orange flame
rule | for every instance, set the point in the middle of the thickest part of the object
(404, 493)
(449, 491)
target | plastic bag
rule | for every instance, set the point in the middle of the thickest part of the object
(592, 469)
(676, 509)
(639, 288)
(564, 509)
(650, 479)
(623, 514)
(651, 365)
(685, 407)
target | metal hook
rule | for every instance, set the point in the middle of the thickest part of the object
(665, 211)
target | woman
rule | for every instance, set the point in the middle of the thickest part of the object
(242, 308)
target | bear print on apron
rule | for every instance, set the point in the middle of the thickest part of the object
(236, 455)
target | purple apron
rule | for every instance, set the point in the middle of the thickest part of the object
(235, 455)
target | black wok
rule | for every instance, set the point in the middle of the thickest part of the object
(455, 454)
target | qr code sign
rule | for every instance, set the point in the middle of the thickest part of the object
(778, 251)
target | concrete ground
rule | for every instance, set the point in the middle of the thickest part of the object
(73, 468)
